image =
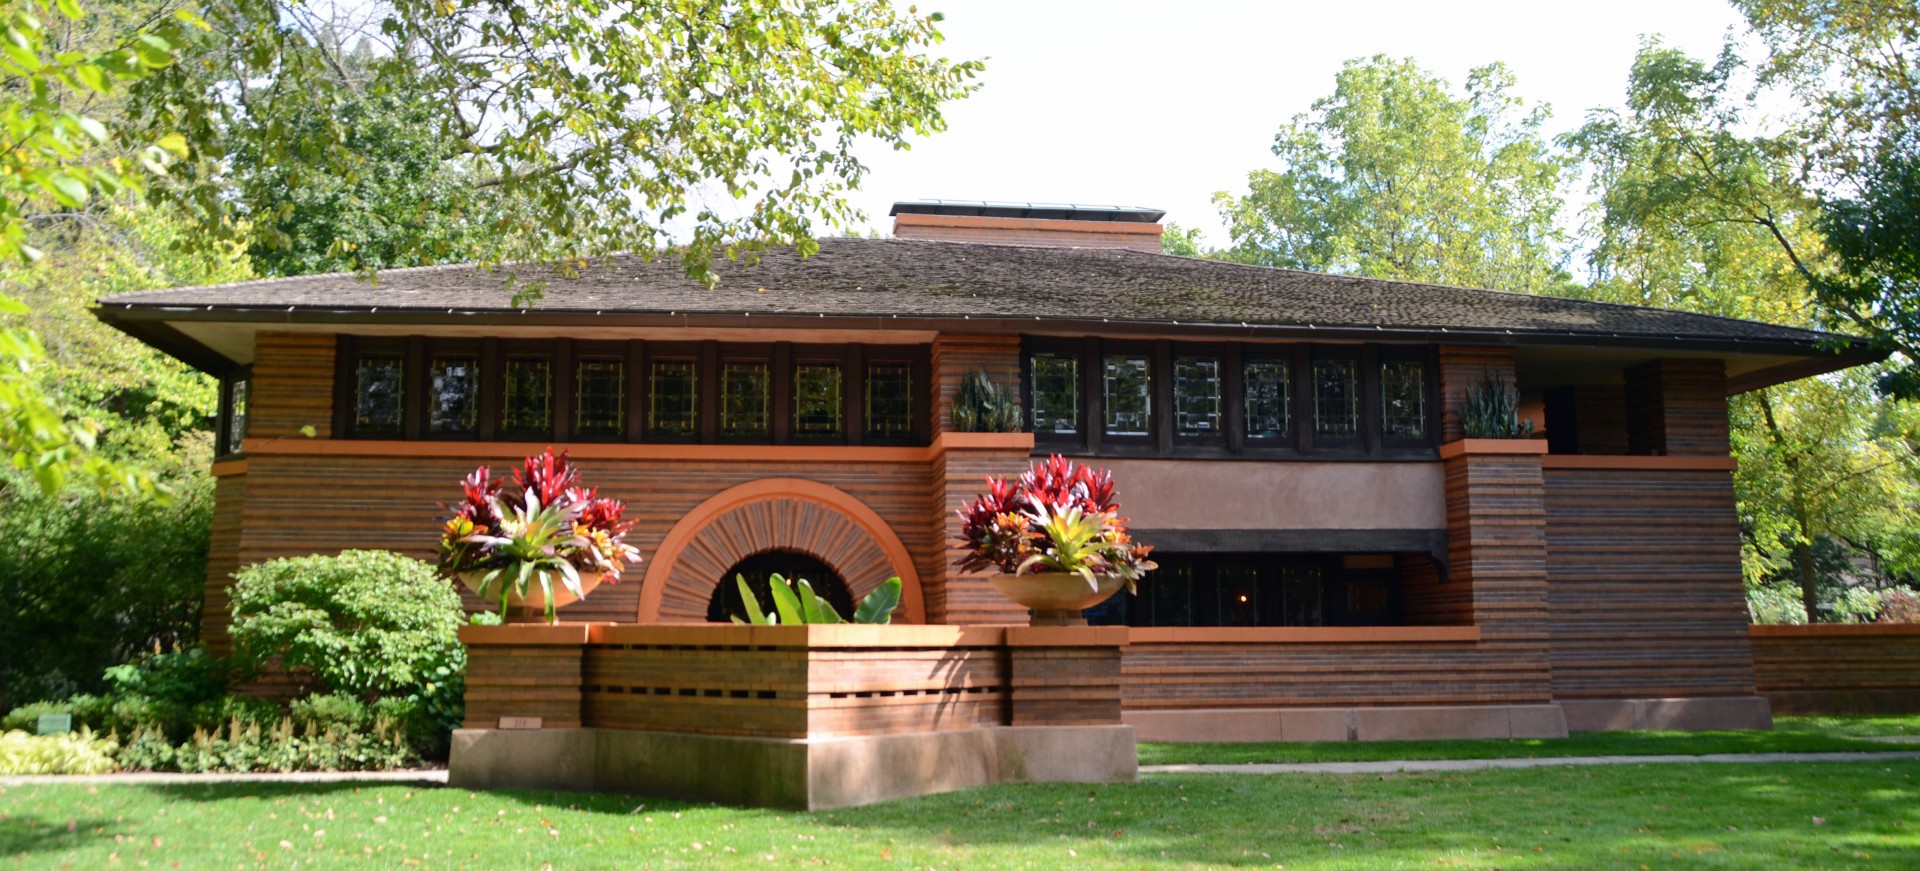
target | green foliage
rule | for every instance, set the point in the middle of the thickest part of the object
(1392, 176)
(984, 405)
(1074, 542)
(527, 553)
(93, 579)
(1490, 409)
(59, 158)
(1874, 240)
(795, 603)
(1180, 241)
(1770, 604)
(367, 623)
(595, 128)
(284, 745)
(74, 753)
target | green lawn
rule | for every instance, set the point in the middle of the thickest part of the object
(1789, 735)
(1629, 817)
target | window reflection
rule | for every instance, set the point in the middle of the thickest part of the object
(1403, 399)
(527, 406)
(889, 401)
(1196, 395)
(1055, 379)
(1336, 399)
(673, 398)
(377, 393)
(1269, 399)
(600, 397)
(817, 404)
(455, 395)
(743, 400)
(1127, 396)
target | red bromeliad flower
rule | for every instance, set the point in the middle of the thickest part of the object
(596, 541)
(1007, 526)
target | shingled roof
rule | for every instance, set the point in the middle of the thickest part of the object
(924, 280)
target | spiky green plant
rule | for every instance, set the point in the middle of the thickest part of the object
(795, 603)
(529, 550)
(1490, 409)
(984, 405)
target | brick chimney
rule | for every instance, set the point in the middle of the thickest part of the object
(1042, 224)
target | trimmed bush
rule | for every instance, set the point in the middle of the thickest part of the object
(365, 622)
(21, 753)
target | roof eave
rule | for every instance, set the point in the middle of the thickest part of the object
(124, 315)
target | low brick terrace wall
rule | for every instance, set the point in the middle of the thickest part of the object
(791, 681)
(1838, 668)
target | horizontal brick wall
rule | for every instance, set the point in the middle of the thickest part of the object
(1838, 669)
(1646, 593)
(793, 681)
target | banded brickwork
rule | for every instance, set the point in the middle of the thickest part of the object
(223, 559)
(959, 474)
(1460, 367)
(1429, 596)
(1677, 408)
(522, 673)
(292, 385)
(1863, 668)
(956, 355)
(1272, 674)
(301, 503)
(793, 682)
(1647, 598)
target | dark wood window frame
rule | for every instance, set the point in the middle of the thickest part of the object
(637, 356)
(1231, 442)
(223, 417)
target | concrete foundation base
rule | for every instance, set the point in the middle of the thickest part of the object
(809, 774)
(1686, 714)
(1900, 701)
(1230, 725)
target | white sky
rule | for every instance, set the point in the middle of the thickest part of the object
(1161, 104)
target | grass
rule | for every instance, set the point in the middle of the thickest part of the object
(1630, 816)
(1789, 735)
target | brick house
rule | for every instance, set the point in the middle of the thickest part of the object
(1337, 560)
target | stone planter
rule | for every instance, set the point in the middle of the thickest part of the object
(534, 604)
(1057, 598)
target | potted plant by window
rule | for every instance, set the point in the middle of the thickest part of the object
(1057, 538)
(540, 545)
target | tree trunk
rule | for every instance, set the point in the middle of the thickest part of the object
(1803, 561)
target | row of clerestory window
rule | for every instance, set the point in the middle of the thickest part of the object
(631, 391)
(1338, 399)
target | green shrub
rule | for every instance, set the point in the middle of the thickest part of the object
(91, 580)
(1490, 409)
(984, 405)
(364, 622)
(81, 753)
(370, 624)
(330, 711)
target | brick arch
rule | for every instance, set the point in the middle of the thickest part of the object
(774, 514)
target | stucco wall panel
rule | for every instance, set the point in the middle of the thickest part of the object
(1232, 494)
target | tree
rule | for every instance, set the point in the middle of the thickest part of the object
(1394, 177)
(1181, 241)
(60, 157)
(718, 125)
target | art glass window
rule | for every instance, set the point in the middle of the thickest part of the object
(1269, 399)
(454, 395)
(673, 398)
(236, 414)
(527, 406)
(1336, 399)
(1128, 395)
(600, 397)
(1056, 393)
(889, 401)
(743, 400)
(817, 403)
(378, 393)
(1403, 399)
(1196, 395)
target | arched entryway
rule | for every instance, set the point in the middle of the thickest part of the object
(786, 514)
(758, 571)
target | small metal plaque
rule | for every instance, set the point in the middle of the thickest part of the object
(519, 722)
(54, 724)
